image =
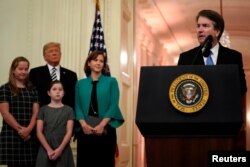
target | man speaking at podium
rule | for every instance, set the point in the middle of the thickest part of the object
(210, 26)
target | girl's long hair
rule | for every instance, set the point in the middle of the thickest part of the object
(12, 80)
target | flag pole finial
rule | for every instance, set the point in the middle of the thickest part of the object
(97, 4)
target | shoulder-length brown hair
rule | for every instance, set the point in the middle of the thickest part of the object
(12, 80)
(93, 55)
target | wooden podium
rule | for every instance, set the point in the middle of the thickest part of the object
(177, 139)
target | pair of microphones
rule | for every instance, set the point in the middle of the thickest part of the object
(204, 48)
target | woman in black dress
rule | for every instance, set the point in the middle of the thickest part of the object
(19, 107)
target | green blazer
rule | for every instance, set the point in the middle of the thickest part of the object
(107, 92)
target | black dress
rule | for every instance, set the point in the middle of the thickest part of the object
(92, 150)
(13, 150)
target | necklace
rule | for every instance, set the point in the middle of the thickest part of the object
(94, 111)
(94, 107)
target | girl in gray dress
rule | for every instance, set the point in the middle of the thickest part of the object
(54, 130)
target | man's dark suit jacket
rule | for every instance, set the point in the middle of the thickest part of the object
(40, 77)
(225, 56)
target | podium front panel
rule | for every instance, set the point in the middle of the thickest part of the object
(222, 114)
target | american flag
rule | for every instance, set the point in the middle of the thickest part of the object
(97, 38)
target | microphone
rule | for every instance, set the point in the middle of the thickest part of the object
(207, 46)
(204, 48)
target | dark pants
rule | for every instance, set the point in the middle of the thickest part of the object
(96, 151)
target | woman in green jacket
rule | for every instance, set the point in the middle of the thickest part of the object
(97, 110)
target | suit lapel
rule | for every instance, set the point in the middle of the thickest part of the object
(199, 60)
(221, 55)
(62, 74)
(46, 73)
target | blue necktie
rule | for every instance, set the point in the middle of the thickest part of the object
(209, 60)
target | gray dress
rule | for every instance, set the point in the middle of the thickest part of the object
(55, 121)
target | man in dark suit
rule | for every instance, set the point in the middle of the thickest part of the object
(41, 76)
(211, 23)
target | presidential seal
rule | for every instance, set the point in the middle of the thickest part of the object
(188, 93)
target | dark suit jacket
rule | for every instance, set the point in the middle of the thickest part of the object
(40, 77)
(225, 56)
